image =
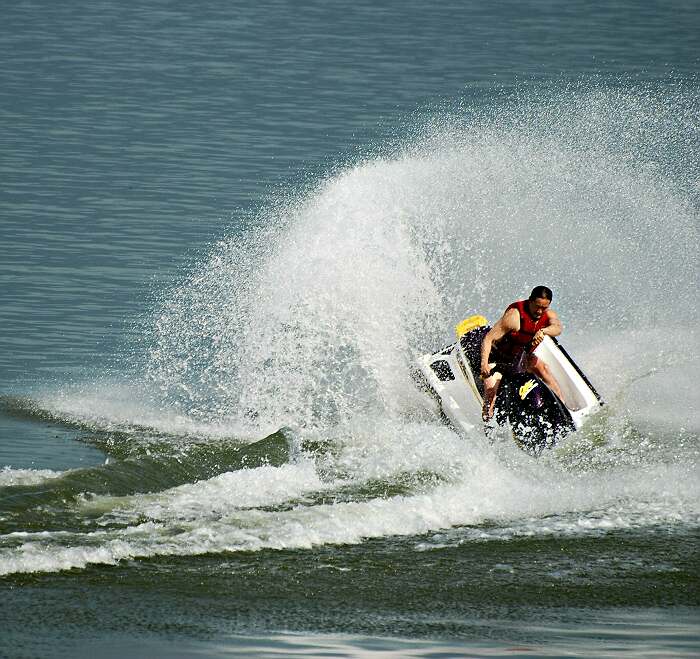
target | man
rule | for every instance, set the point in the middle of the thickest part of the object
(520, 330)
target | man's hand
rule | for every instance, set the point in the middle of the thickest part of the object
(485, 371)
(538, 338)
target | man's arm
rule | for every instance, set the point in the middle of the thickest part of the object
(553, 329)
(509, 322)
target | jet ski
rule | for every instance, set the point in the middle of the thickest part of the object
(536, 417)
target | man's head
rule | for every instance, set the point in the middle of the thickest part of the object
(540, 299)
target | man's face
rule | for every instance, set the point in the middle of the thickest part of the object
(538, 306)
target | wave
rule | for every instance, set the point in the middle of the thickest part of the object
(242, 511)
(10, 477)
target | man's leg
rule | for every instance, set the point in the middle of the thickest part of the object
(491, 384)
(539, 368)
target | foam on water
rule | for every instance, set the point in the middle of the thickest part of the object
(314, 321)
(249, 488)
(232, 512)
(113, 405)
(10, 477)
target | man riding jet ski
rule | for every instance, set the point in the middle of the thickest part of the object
(520, 330)
(513, 374)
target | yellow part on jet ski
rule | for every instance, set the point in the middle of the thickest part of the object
(468, 324)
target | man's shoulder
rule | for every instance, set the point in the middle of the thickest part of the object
(511, 317)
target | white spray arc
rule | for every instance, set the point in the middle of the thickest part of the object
(316, 319)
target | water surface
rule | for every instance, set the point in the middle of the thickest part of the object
(228, 231)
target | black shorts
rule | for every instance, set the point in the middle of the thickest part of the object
(508, 364)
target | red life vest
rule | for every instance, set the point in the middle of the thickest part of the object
(515, 342)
